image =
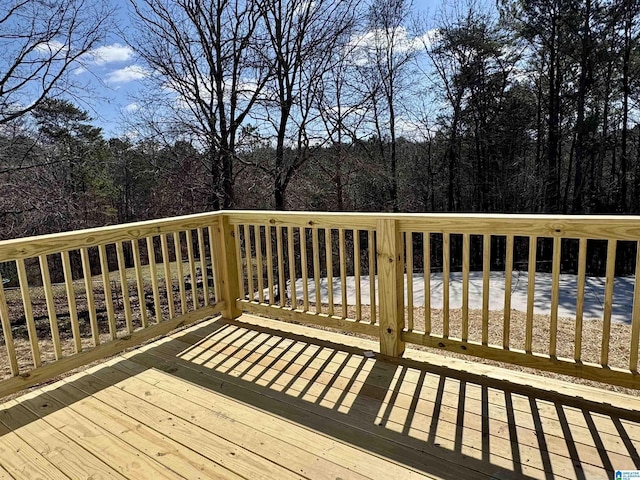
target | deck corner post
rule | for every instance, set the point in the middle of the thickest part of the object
(390, 256)
(226, 266)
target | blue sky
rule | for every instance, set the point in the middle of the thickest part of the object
(114, 75)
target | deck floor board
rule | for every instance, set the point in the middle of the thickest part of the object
(254, 398)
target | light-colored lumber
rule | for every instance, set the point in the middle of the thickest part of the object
(282, 286)
(391, 277)
(531, 289)
(373, 300)
(51, 306)
(239, 262)
(582, 268)
(257, 234)
(28, 311)
(635, 316)
(446, 267)
(343, 271)
(486, 271)
(292, 266)
(213, 247)
(227, 265)
(466, 253)
(177, 246)
(555, 295)
(108, 295)
(508, 272)
(192, 270)
(608, 301)
(426, 240)
(29, 247)
(168, 280)
(302, 233)
(153, 273)
(269, 245)
(315, 254)
(357, 273)
(409, 263)
(203, 266)
(249, 261)
(58, 449)
(124, 287)
(142, 301)
(317, 318)
(328, 249)
(52, 370)
(8, 334)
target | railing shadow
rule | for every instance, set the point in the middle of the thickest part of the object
(436, 420)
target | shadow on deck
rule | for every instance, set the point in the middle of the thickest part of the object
(257, 399)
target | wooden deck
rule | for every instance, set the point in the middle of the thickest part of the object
(260, 399)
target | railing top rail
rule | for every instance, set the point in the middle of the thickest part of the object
(619, 227)
(28, 247)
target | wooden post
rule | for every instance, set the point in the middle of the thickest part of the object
(391, 287)
(226, 265)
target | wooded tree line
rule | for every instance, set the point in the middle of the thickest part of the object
(520, 106)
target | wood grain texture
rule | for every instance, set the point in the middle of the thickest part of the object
(7, 333)
(124, 285)
(227, 264)
(108, 294)
(52, 370)
(168, 280)
(390, 253)
(178, 251)
(508, 273)
(582, 268)
(51, 306)
(28, 309)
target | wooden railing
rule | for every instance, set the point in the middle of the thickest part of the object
(393, 259)
(384, 275)
(80, 296)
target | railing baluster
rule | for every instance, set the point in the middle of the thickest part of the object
(582, 268)
(177, 246)
(192, 270)
(238, 245)
(635, 316)
(269, 244)
(8, 335)
(142, 302)
(466, 249)
(28, 312)
(257, 234)
(216, 280)
(328, 246)
(168, 282)
(426, 255)
(249, 261)
(153, 272)
(203, 266)
(508, 273)
(106, 287)
(315, 253)
(343, 271)
(51, 306)
(282, 288)
(292, 267)
(531, 287)
(124, 286)
(71, 300)
(446, 266)
(302, 232)
(608, 300)
(91, 304)
(486, 275)
(357, 273)
(555, 296)
(409, 263)
(372, 275)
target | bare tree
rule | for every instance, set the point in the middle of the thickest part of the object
(302, 37)
(41, 41)
(205, 75)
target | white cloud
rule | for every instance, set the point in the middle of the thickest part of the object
(127, 74)
(132, 107)
(110, 54)
(79, 71)
(52, 47)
